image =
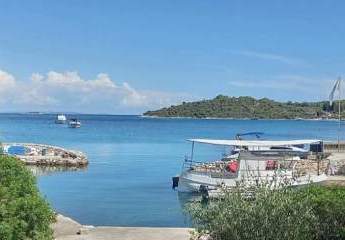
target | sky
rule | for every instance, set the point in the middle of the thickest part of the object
(126, 57)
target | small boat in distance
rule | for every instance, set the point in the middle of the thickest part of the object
(74, 123)
(60, 119)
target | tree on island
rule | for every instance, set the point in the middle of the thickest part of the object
(248, 107)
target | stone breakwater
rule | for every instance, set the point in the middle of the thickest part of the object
(48, 155)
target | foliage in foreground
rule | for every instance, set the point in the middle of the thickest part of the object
(311, 213)
(328, 204)
(24, 214)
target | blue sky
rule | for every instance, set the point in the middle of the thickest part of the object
(131, 56)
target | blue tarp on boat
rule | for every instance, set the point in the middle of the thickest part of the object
(16, 150)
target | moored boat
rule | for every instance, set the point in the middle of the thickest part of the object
(60, 119)
(74, 123)
(276, 163)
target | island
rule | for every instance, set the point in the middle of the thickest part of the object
(249, 108)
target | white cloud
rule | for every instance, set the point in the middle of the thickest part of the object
(7, 85)
(6, 80)
(68, 91)
(132, 96)
(272, 57)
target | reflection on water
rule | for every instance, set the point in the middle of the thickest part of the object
(186, 197)
(49, 170)
(184, 200)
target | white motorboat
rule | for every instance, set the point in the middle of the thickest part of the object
(60, 119)
(258, 162)
(74, 123)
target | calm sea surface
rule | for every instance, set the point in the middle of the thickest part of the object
(132, 160)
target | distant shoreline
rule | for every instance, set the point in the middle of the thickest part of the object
(67, 113)
(177, 117)
(242, 119)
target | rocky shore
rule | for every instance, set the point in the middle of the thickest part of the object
(48, 155)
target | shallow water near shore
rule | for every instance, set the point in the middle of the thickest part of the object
(132, 160)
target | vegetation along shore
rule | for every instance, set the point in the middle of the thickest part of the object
(250, 108)
(25, 214)
(319, 211)
(313, 212)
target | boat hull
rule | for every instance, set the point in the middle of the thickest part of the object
(192, 182)
(60, 121)
(74, 125)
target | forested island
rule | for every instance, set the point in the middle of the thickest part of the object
(249, 108)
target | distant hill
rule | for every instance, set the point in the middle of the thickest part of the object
(247, 107)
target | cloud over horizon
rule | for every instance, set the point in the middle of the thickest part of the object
(68, 91)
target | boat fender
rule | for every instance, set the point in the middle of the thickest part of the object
(175, 181)
(204, 193)
(232, 167)
(271, 165)
(203, 189)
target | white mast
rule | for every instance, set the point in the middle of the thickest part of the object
(339, 108)
(331, 97)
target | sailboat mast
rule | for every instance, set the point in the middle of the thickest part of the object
(339, 109)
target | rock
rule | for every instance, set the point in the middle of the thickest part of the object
(51, 156)
(85, 230)
(205, 237)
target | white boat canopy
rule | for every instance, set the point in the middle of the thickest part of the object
(256, 143)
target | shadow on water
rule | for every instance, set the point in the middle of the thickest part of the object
(49, 170)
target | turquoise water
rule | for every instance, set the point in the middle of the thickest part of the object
(132, 160)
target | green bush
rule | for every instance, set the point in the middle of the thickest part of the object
(310, 213)
(328, 204)
(24, 214)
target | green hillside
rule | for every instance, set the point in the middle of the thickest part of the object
(246, 107)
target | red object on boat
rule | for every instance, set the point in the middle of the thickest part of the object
(270, 165)
(233, 166)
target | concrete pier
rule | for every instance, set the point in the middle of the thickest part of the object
(67, 229)
(48, 155)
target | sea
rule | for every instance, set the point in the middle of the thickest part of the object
(132, 160)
